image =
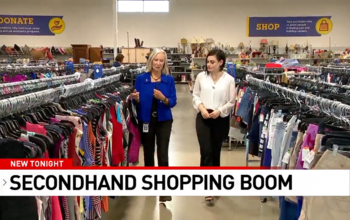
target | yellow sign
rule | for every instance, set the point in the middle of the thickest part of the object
(57, 25)
(324, 26)
(16, 20)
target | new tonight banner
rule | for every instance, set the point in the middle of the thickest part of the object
(311, 26)
(31, 25)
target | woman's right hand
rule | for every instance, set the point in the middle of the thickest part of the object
(135, 95)
(205, 113)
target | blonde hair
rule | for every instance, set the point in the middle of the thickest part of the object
(151, 57)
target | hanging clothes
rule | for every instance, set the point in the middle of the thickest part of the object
(92, 128)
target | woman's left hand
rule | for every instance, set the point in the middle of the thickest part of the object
(158, 94)
(215, 114)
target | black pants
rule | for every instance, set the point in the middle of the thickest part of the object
(157, 131)
(211, 134)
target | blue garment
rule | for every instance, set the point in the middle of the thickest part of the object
(84, 146)
(146, 88)
(254, 130)
(300, 205)
(245, 105)
(116, 64)
(253, 137)
(279, 131)
(293, 139)
(288, 210)
(267, 155)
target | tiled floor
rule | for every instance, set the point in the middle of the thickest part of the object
(184, 151)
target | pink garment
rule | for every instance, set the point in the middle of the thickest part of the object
(135, 144)
(308, 142)
(56, 208)
(39, 129)
(55, 120)
(16, 78)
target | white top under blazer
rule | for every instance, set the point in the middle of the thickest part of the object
(220, 96)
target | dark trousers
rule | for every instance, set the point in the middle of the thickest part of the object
(158, 131)
(211, 134)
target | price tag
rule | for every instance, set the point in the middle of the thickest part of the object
(145, 128)
(269, 143)
(306, 165)
(261, 118)
(335, 150)
(310, 157)
(286, 157)
(305, 152)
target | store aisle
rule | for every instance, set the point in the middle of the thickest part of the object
(184, 151)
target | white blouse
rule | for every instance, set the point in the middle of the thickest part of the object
(220, 96)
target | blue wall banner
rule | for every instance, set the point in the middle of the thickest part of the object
(31, 25)
(311, 26)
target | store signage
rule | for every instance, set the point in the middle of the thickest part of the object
(311, 26)
(31, 25)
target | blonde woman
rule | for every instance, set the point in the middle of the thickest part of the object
(154, 96)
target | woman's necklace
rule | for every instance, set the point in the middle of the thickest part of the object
(156, 79)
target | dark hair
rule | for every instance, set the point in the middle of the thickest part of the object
(119, 57)
(220, 55)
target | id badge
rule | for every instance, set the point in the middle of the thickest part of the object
(145, 128)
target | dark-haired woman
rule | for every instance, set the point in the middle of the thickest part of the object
(118, 60)
(213, 97)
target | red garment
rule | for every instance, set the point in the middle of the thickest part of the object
(256, 107)
(117, 139)
(35, 128)
(56, 209)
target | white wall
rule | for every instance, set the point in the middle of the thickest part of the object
(91, 21)
(87, 21)
(225, 21)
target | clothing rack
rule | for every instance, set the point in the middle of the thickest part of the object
(333, 108)
(132, 74)
(337, 69)
(88, 85)
(36, 84)
(24, 102)
(317, 70)
(32, 100)
(91, 65)
(319, 82)
(41, 107)
(24, 73)
(257, 72)
(28, 69)
(117, 70)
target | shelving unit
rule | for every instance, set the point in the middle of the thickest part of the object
(179, 67)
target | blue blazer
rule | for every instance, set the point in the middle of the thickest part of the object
(145, 87)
